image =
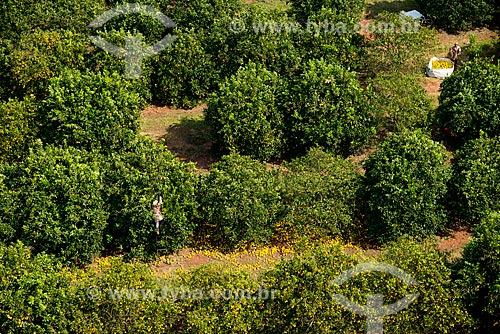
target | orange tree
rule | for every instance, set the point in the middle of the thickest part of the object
(459, 15)
(406, 186)
(239, 202)
(53, 203)
(18, 130)
(133, 179)
(302, 10)
(469, 101)
(91, 111)
(475, 186)
(23, 16)
(478, 274)
(244, 114)
(324, 106)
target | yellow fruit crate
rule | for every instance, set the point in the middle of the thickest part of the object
(440, 67)
(441, 64)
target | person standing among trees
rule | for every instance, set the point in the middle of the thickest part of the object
(455, 51)
(156, 206)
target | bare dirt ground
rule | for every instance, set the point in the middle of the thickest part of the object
(453, 244)
(255, 261)
(183, 131)
(264, 258)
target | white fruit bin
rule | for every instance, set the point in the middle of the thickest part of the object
(440, 72)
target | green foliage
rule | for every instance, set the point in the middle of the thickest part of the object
(475, 186)
(325, 107)
(6, 80)
(41, 55)
(406, 184)
(55, 203)
(202, 14)
(205, 50)
(319, 195)
(239, 201)
(399, 102)
(146, 25)
(244, 114)
(304, 288)
(302, 10)
(439, 306)
(303, 300)
(261, 41)
(99, 61)
(18, 129)
(24, 16)
(116, 297)
(34, 292)
(474, 51)
(7, 214)
(328, 36)
(459, 15)
(186, 73)
(91, 111)
(479, 274)
(133, 180)
(397, 45)
(112, 296)
(469, 101)
(231, 303)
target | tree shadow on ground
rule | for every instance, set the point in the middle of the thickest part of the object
(191, 140)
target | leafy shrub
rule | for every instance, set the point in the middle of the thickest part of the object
(146, 25)
(399, 102)
(18, 129)
(259, 42)
(115, 297)
(397, 45)
(24, 16)
(304, 290)
(479, 274)
(329, 36)
(406, 183)
(244, 113)
(231, 303)
(133, 180)
(56, 203)
(91, 111)
(439, 305)
(320, 194)
(112, 296)
(100, 61)
(208, 46)
(475, 186)
(325, 107)
(462, 15)
(186, 73)
(469, 101)
(473, 50)
(239, 201)
(7, 228)
(202, 14)
(303, 9)
(6, 81)
(34, 294)
(41, 55)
